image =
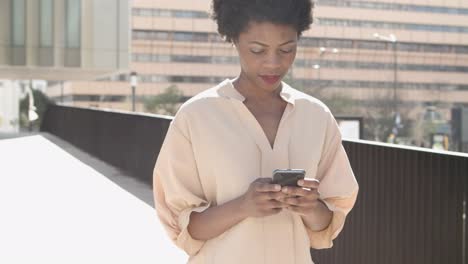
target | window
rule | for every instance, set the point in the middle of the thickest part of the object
(190, 36)
(145, 12)
(73, 20)
(389, 25)
(461, 49)
(46, 24)
(18, 22)
(394, 6)
(169, 13)
(378, 45)
(165, 13)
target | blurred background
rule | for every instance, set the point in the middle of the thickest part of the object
(391, 71)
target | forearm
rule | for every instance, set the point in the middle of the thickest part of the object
(215, 220)
(319, 218)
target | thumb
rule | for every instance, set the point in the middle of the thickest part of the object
(264, 180)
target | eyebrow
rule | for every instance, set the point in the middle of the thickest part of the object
(265, 45)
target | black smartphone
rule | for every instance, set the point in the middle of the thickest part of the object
(288, 177)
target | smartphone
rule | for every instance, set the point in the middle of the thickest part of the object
(288, 177)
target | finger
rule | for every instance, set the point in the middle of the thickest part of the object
(263, 180)
(309, 183)
(292, 201)
(311, 194)
(267, 187)
(295, 191)
(271, 196)
(297, 209)
(305, 202)
(275, 204)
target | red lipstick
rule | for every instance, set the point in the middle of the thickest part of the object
(270, 79)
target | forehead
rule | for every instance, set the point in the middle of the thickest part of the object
(267, 32)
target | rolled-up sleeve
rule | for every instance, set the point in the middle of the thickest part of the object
(338, 186)
(177, 188)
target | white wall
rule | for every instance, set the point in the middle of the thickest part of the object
(9, 106)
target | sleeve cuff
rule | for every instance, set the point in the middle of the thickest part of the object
(184, 239)
(340, 208)
(324, 238)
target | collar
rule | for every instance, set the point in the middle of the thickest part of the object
(227, 89)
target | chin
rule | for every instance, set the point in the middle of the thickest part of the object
(269, 87)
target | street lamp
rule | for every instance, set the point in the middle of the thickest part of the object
(133, 84)
(322, 52)
(393, 39)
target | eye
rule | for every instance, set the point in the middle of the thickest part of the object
(286, 50)
(256, 51)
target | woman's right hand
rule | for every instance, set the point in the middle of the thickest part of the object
(262, 198)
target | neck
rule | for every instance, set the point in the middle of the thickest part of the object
(252, 92)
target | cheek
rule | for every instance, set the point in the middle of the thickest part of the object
(249, 65)
(289, 59)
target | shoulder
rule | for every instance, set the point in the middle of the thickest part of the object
(201, 100)
(316, 112)
(202, 104)
(306, 103)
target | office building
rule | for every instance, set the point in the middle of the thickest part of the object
(63, 39)
(403, 55)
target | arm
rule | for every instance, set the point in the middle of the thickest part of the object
(319, 218)
(338, 187)
(261, 199)
(216, 220)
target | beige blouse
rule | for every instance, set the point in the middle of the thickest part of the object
(215, 148)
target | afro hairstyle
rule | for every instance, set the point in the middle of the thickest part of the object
(233, 16)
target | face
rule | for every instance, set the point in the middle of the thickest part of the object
(266, 52)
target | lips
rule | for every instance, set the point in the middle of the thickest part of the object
(270, 79)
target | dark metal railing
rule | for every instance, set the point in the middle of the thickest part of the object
(411, 206)
(125, 140)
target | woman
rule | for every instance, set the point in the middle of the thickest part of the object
(212, 180)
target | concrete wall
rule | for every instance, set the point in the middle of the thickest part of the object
(109, 39)
(5, 10)
(9, 106)
(104, 47)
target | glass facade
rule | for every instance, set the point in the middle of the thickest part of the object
(394, 6)
(18, 22)
(142, 57)
(176, 36)
(155, 12)
(46, 35)
(342, 22)
(46, 23)
(73, 23)
(390, 25)
(306, 42)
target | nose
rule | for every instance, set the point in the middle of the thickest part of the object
(272, 61)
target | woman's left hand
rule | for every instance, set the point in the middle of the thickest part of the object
(303, 199)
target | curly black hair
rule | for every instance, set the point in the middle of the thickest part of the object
(233, 16)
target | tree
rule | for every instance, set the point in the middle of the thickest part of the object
(339, 104)
(166, 103)
(379, 118)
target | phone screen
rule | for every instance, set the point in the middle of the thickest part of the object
(288, 177)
